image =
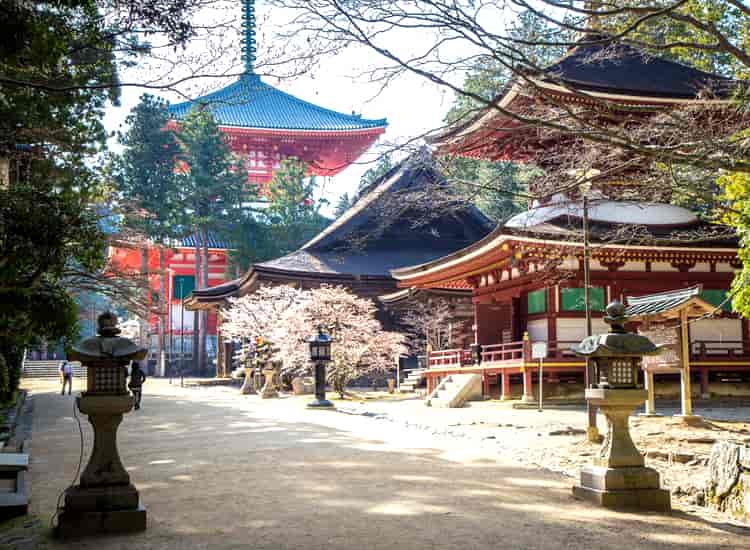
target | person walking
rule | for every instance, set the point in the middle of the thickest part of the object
(137, 378)
(66, 376)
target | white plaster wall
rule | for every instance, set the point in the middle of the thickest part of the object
(575, 329)
(662, 266)
(634, 266)
(717, 330)
(538, 330)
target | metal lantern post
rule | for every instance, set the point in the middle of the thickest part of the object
(320, 354)
(618, 477)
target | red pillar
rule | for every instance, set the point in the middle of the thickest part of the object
(485, 385)
(505, 385)
(528, 389)
(704, 384)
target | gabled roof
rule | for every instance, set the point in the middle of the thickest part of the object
(381, 231)
(363, 245)
(599, 65)
(251, 103)
(668, 304)
(374, 209)
(213, 242)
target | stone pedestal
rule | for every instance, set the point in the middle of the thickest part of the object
(247, 385)
(105, 501)
(618, 477)
(269, 387)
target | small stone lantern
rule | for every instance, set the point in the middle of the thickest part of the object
(105, 501)
(320, 354)
(618, 477)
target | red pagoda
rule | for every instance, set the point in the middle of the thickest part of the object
(266, 125)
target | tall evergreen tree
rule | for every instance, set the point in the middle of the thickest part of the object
(148, 187)
(213, 191)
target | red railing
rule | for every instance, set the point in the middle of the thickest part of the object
(512, 351)
(449, 358)
(559, 350)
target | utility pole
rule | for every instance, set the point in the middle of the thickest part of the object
(592, 432)
(182, 332)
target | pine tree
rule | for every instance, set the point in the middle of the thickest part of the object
(148, 186)
(213, 191)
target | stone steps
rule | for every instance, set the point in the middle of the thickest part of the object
(412, 380)
(455, 390)
(50, 369)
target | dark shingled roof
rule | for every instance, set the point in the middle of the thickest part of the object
(366, 243)
(251, 103)
(374, 237)
(597, 65)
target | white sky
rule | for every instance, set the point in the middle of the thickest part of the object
(412, 105)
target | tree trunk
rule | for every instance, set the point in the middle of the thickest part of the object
(196, 316)
(204, 313)
(147, 283)
(162, 309)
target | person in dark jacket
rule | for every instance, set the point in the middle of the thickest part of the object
(137, 378)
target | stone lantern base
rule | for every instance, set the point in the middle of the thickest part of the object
(101, 511)
(105, 502)
(623, 488)
(618, 478)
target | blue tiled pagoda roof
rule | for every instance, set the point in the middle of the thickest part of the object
(251, 103)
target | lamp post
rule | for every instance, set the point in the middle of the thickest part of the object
(320, 354)
(618, 477)
(182, 331)
(592, 432)
(170, 295)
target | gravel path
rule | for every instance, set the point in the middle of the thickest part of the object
(218, 470)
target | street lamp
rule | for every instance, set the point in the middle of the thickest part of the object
(592, 432)
(320, 354)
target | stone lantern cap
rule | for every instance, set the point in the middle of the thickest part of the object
(107, 345)
(618, 342)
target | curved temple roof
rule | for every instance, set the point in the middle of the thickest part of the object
(251, 103)
(597, 64)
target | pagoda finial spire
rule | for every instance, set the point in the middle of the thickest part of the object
(248, 31)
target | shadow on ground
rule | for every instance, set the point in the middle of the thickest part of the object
(213, 475)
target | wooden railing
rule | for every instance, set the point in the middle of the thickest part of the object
(714, 349)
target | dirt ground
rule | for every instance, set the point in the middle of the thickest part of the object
(553, 438)
(219, 470)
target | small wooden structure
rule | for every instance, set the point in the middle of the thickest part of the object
(664, 318)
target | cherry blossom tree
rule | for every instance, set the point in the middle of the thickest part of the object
(286, 316)
(267, 313)
(360, 345)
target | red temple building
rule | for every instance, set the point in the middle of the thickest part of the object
(526, 277)
(266, 125)
(180, 282)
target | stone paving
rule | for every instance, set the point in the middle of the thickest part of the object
(219, 470)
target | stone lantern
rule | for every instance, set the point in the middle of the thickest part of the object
(618, 477)
(320, 354)
(105, 501)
